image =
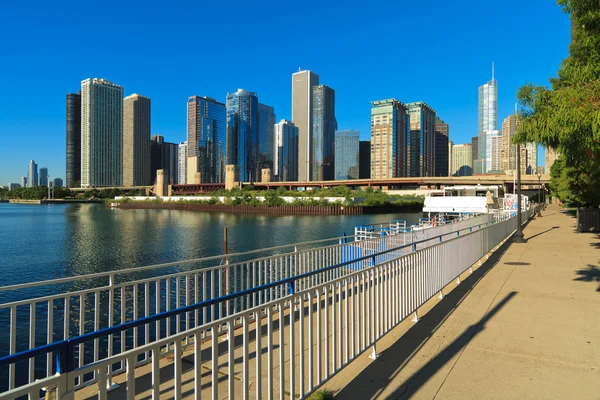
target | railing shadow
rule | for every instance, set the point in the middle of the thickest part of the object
(377, 376)
(591, 274)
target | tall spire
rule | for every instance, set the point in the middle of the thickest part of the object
(492, 70)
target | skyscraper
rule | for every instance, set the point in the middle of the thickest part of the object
(347, 154)
(322, 142)
(389, 139)
(266, 129)
(462, 158)
(285, 165)
(43, 177)
(509, 149)
(57, 182)
(101, 133)
(364, 159)
(551, 156)
(23, 181)
(164, 155)
(32, 174)
(487, 121)
(496, 152)
(73, 161)
(442, 132)
(532, 160)
(182, 161)
(302, 109)
(476, 163)
(206, 139)
(136, 140)
(450, 153)
(422, 139)
(242, 134)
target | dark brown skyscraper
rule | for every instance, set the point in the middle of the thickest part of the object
(73, 139)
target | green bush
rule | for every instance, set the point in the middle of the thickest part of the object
(272, 200)
(322, 394)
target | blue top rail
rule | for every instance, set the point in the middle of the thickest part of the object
(64, 349)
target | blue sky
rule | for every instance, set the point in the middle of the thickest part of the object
(437, 51)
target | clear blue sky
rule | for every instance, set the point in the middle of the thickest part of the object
(437, 51)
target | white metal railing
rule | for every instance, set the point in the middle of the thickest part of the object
(289, 346)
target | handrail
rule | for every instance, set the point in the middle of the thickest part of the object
(64, 358)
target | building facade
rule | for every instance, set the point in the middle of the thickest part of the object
(532, 158)
(136, 140)
(551, 157)
(496, 152)
(389, 139)
(13, 186)
(347, 149)
(302, 117)
(23, 181)
(322, 143)
(509, 149)
(242, 134)
(450, 150)
(101, 133)
(57, 182)
(364, 159)
(32, 174)
(164, 155)
(206, 139)
(487, 121)
(285, 163)
(182, 151)
(266, 132)
(462, 159)
(73, 150)
(442, 156)
(43, 177)
(476, 163)
(422, 139)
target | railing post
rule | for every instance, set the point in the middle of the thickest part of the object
(291, 287)
(373, 355)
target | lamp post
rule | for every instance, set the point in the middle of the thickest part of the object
(539, 213)
(518, 238)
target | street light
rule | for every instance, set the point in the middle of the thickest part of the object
(539, 195)
(518, 238)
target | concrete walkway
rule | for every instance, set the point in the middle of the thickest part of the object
(525, 325)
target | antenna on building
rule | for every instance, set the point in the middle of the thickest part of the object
(492, 70)
(515, 108)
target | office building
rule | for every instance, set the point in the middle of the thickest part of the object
(164, 155)
(43, 177)
(389, 139)
(242, 134)
(101, 133)
(450, 148)
(487, 121)
(285, 163)
(266, 140)
(462, 159)
(422, 139)
(322, 143)
(206, 139)
(347, 154)
(136, 140)
(441, 155)
(57, 182)
(540, 170)
(23, 181)
(551, 157)
(73, 160)
(364, 159)
(523, 160)
(496, 152)
(32, 174)
(302, 117)
(509, 149)
(476, 163)
(182, 152)
(13, 186)
(532, 160)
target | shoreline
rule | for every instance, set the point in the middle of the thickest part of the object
(52, 201)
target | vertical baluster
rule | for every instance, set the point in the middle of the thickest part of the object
(258, 373)
(50, 337)
(197, 365)
(177, 369)
(269, 353)
(281, 352)
(32, 340)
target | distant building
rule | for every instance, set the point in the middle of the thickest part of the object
(136, 140)
(441, 155)
(266, 139)
(57, 182)
(73, 153)
(32, 174)
(541, 170)
(389, 139)
(242, 134)
(551, 157)
(476, 162)
(364, 159)
(347, 154)
(164, 156)
(462, 158)
(285, 163)
(496, 152)
(450, 152)
(23, 181)
(422, 139)
(13, 186)
(532, 158)
(322, 152)
(302, 117)
(487, 121)
(523, 160)
(182, 161)
(101, 133)
(43, 179)
(509, 149)
(206, 139)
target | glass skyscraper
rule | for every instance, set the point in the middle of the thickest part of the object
(266, 129)
(243, 146)
(206, 139)
(322, 143)
(43, 177)
(285, 168)
(73, 159)
(422, 139)
(164, 155)
(389, 139)
(32, 174)
(346, 154)
(487, 122)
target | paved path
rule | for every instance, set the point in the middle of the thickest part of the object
(526, 325)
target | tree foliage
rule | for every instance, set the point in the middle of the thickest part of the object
(566, 115)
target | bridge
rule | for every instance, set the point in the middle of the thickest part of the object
(303, 310)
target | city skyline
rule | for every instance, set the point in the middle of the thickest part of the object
(169, 85)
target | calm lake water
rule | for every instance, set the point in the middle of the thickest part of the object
(40, 242)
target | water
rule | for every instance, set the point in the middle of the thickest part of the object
(41, 242)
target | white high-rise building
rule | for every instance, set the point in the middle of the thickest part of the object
(101, 133)
(487, 122)
(182, 161)
(302, 109)
(285, 162)
(532, 158)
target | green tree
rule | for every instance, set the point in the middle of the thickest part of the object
(566, 115)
